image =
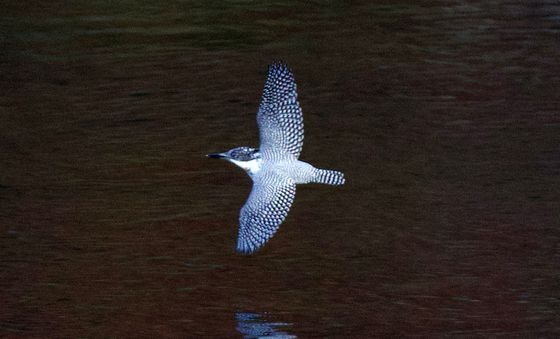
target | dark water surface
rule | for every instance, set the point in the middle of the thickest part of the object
(444, 117)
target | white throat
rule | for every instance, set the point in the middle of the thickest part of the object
(251, 166)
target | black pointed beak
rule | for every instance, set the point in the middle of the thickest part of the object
(216, 155)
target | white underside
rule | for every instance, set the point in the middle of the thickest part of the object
(252, 166)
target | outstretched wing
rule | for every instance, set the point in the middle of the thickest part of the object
(265, 209)
(279, 118)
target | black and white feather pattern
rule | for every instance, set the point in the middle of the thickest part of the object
(329, 177)
(280, 118)
(266, 208)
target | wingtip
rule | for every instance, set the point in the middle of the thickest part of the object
(244, 253)
(244, 248)
(247, 246)
(278, 65)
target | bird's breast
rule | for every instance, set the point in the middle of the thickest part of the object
(251, 166)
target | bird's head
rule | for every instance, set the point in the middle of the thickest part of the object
(245, 157)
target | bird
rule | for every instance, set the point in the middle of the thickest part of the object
(274, 167)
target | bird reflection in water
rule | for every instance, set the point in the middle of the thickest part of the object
(253, 325)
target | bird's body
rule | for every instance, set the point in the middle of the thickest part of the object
(274, 167)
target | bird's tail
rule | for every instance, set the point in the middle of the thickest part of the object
(329, 177)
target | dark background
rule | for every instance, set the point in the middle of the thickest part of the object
(444, 116)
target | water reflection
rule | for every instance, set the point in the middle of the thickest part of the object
(254, 325)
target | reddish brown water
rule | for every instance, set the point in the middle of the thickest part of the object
(444, 118)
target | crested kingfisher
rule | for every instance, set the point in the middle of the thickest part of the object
(274, 167)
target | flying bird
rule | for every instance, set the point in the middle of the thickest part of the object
(274, 167)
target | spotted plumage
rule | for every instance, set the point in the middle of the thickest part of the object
(279, 118)
(267, 206)
(274, 167)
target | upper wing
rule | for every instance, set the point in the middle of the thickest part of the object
(279, 118)
(265, 209)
